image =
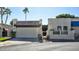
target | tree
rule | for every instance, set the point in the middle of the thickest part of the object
(7, 12)
(44, 27)
(66, 16)
(2, 9)
(25, 10)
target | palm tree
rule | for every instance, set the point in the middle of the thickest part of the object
(7, 12)
(2, 9)
(25, 10)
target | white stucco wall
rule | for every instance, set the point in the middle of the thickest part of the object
(53, 23)
(63, 36)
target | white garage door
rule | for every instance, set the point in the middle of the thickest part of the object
(27, 32)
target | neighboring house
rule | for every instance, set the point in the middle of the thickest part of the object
(7, 28)
(60, 29)
(28, 29)
(75, 24)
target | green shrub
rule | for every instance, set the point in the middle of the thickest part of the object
(13, 34)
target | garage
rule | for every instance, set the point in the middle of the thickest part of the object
(28, 30)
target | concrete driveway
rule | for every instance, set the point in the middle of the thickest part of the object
(46, 46)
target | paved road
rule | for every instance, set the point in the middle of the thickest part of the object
(46, 46)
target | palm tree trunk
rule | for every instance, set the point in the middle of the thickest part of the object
(1, 16)
(6, 18)
(25, 16)
(1, 25)
(1, 19)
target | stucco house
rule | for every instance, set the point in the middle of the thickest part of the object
(60, 29)
(28, 29)
(7, 28)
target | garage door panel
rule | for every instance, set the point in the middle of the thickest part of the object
(27, 32)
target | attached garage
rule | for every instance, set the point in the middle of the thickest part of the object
(28, 30)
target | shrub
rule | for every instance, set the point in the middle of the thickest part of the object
(13, 34)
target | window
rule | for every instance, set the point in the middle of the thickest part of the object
(59, 28)
(65, 28)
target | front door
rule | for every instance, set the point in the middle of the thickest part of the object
(4, 33)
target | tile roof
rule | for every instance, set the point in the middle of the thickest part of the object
(27, 24)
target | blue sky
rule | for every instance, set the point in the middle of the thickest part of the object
(36, 13)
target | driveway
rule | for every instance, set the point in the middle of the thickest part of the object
(46, 46)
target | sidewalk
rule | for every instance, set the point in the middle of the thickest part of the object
(12, 43)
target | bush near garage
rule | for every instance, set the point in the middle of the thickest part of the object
(13, 34)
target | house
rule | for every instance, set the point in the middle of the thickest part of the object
(60, 29)
(75, 23)
(57, 29)
(5, 30)
(75, 26)
(28, 29)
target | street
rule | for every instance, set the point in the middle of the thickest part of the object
(46, 46)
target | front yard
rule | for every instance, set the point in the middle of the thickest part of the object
(4, 38)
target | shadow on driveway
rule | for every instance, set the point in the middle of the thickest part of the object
(25, 39)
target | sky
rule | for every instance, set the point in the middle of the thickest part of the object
(37, 13)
